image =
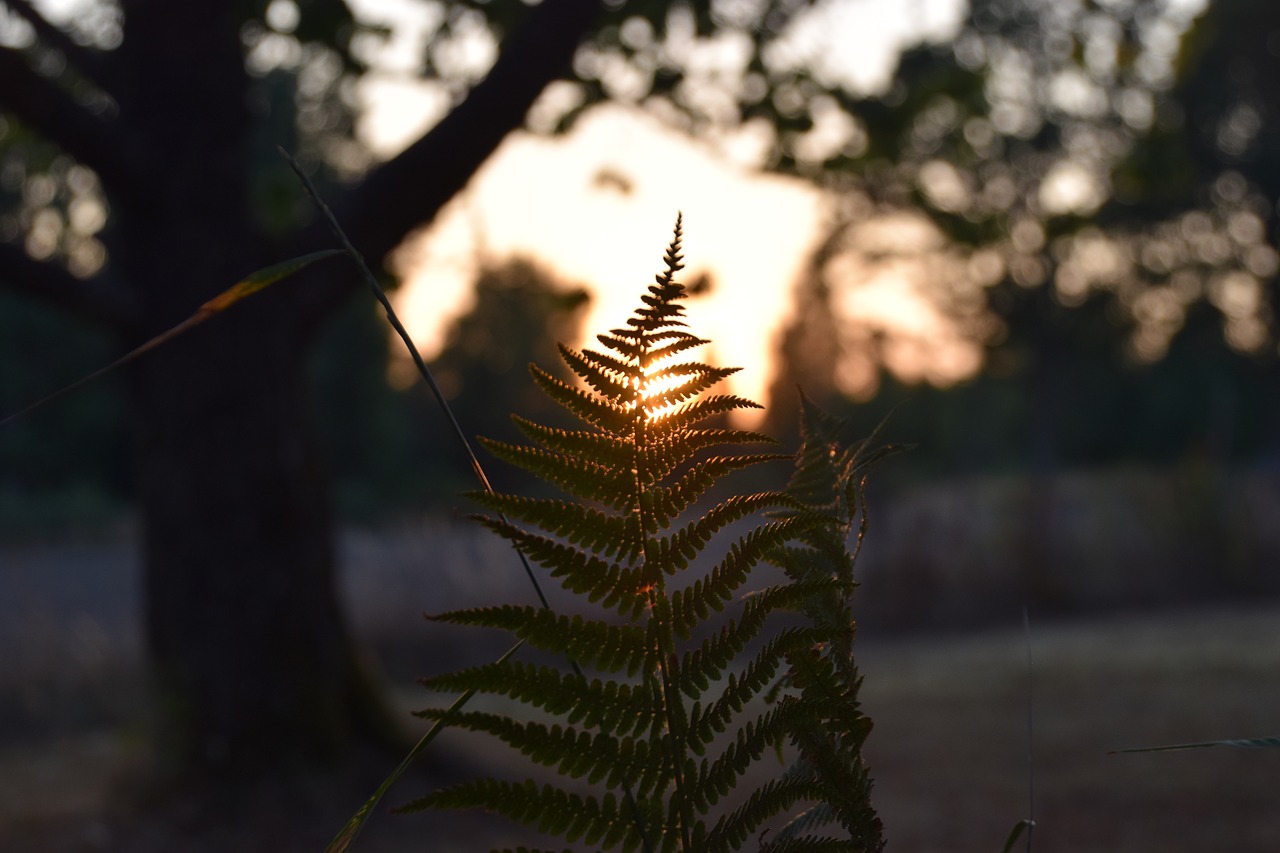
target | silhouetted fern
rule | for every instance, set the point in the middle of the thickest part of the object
(658, 714)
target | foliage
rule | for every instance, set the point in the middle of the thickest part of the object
(520, 311)
(1201, 401)
(1017, 138)
(655, 713)
(1094, 181)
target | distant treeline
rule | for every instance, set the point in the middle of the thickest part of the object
(1059, 394)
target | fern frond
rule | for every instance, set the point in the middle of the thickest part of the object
(585, 526)
(676, 450)
(708, 662)
(649, 320)
(574, 752)
(612, 379)
(612, 416)
(687, 543)
(625, 342)
(718, 778)
(774, 797)
(690, 441)
(611, 648)
(609, 583)
(678, 342)
(693, 604)
(537, 685)
(712, 719)
(608, 363)
(666, 726)
(707, 407)
(818, 817)
(604, 449)
(690, 381)
(597, 821)
(621, 708)
(665, 503)
(575, 475)
(809, 844)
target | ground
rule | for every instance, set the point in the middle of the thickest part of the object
(949, 751)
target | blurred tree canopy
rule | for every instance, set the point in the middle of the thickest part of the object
(1097, 184)
(519, 313)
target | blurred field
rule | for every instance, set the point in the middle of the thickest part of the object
(948, 750)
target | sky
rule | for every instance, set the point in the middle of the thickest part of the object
(558, 201)
(597, 209)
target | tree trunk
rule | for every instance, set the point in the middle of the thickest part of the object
(252, 659)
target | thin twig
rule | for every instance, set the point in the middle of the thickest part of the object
(353, 829)
(394, 320)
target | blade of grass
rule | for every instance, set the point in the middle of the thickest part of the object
(1018, 828)
(1244, 743)
(256, 281)
(371, 280)
(347, 835)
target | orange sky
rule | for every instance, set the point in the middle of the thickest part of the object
(543, 197)
(752, 232)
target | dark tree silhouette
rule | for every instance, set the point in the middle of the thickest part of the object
(253, 660)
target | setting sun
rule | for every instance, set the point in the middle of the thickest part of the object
(748, 234)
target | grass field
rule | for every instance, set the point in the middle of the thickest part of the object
(949, 750)
(949, 753)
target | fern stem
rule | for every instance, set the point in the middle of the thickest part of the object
(677, 732)
(666, 661)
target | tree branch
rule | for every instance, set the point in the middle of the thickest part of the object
(408, 191)
(100, 298)
(48, 109)
(77, 55)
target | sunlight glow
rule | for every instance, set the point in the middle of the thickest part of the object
(1071, 187)
(888, 292)
(856, 44)
(655, 384)
(582, 204)
(748, 233)
(97, 23)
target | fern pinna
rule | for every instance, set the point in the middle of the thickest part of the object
(658, 725)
